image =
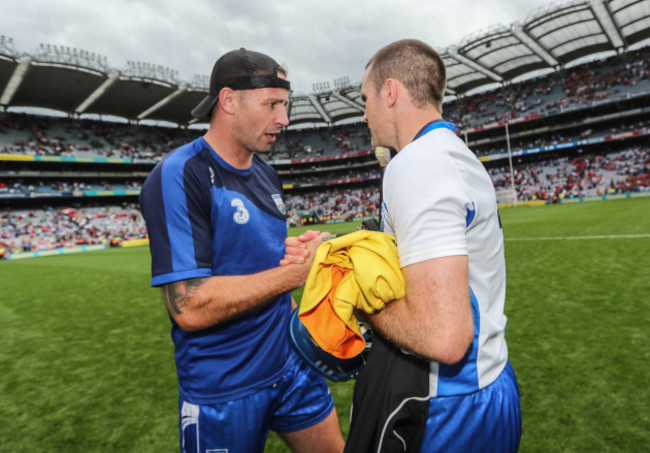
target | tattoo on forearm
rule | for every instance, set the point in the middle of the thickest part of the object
(177, 294)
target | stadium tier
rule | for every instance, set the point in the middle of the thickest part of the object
(576, 133)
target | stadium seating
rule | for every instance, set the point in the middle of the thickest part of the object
(577, 133)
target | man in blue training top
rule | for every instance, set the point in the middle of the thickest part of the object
(216, 222)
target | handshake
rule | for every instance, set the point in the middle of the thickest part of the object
(299, 248)
(352, 275)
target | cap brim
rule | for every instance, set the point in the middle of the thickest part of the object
(204, 109)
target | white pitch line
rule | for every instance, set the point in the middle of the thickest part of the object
(573, 238)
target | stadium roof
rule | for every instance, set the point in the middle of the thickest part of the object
(78, 82)
(549, 39)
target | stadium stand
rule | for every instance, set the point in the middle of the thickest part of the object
(47, 229)
(548, 126)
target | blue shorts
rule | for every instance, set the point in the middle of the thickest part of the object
(487, 421)
(298, 400)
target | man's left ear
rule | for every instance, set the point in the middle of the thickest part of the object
(227, 100)
(391, 92)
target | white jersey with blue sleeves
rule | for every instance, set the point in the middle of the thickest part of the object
(439, 201)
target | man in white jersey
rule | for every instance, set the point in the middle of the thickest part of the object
(438, 377)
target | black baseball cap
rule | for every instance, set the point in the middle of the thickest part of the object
(240, 70)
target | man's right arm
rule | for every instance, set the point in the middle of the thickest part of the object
(435, 319)
(199, 303)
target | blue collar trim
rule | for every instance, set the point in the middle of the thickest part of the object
(436, 124)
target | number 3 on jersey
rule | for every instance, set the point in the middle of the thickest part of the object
(241, 215)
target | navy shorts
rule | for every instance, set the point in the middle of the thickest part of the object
(298, 400)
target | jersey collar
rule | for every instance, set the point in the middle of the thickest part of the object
(435, 124)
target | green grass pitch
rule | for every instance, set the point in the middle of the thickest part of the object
(87, 362)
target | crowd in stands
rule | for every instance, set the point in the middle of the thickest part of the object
(334, 204)
(342, 173)
(34, 187)
(565, 136)
(25, 231)
(340, 176)
(594, 175)
(550, 181)
(335, 140)
(332, 198)
(36, 135)
(553, 92)
(33, 230)
(56, 136)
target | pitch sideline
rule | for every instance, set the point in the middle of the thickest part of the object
(573, 238)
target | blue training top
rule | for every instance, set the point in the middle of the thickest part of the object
(205, 218)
